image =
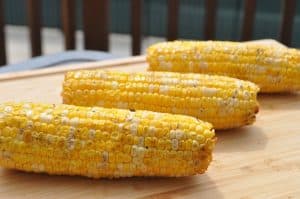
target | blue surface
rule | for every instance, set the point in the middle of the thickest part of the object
(58, 59)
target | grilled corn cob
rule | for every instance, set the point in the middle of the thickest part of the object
(225, 102)
(100, 142)
(274, 69)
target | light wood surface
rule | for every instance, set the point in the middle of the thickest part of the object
(258, 161)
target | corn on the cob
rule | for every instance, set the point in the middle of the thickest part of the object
(273, 69)
(100, 142)
(225, 102)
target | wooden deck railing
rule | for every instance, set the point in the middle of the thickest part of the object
(96, 23)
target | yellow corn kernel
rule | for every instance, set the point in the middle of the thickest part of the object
(225, 102)
(272, 68)
(71, 147)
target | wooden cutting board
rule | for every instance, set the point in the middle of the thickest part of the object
(258, 161)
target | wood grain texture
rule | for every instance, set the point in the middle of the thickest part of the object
(258, 161)
(2, 36)
(34, 24)
(136, 26)
(287, 23)
(173, 15)
(248, 20)
(68, 23)
(95, 24)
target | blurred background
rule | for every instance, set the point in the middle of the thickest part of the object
(153, 18)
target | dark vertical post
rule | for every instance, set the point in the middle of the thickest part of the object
(173, 13)
(2, 36)
(68, 23)
(248, 20)
(286, 30)
(34, 23)
(136, 27)
(95, 24)
(210, 19)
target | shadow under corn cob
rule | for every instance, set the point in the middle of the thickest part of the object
(225, 102)
(272, 68)
(100, 142)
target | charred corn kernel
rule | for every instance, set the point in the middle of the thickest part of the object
(274, 69)
(225, 102)
(101, 145)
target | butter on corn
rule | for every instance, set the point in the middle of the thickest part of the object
(101, 142)
(274, 69)
(225, 102)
